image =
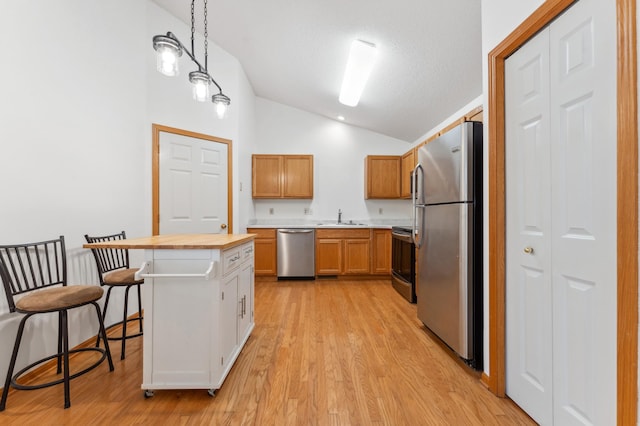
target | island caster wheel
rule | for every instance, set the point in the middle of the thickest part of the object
(148, 393)
(211, 392)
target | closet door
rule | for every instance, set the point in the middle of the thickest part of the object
(583, 199)
(561, 219)
(528, 222)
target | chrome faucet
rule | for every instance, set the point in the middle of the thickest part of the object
(339, 216)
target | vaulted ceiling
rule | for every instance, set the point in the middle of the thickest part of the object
(294, 52)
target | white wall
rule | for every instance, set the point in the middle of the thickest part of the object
(339, 151)
(79, 95)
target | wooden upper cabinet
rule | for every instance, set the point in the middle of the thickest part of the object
(298, 176)
(282, 176)
(267, 176)
(382, 176)
(408, 163)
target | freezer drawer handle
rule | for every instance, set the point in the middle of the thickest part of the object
(141, 273)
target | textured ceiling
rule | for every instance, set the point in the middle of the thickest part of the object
(294, 52)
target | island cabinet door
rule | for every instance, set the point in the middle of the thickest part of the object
(245, 302)
(228, 322)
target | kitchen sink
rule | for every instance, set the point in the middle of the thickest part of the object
(342, 224)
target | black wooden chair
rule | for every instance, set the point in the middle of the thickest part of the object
(35, 282)
(114, 271)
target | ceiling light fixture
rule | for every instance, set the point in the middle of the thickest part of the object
(169, 49)
(362, 57)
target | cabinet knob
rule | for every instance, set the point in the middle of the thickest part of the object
(528, 250)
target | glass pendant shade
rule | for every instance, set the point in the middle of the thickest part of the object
(222, 102)
(167, 53)
(200, 82)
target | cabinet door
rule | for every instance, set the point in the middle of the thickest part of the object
(357, 256)
(328, 256)
(265, 257)
(228, 318)
(382, 176)
(266, 176)
(297, 176)
(381, 263)
(245, 301)
(408, 163)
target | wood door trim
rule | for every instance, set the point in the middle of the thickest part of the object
(627, 200)
(155, 172)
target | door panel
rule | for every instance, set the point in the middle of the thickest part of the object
(583, 164)
(528, 284)
(193, 185)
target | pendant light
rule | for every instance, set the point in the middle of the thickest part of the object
(169, 49)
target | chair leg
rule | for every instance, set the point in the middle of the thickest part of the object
(104, 312)
(65, 348)
(124, 320)
(139, 308)
(103, 332)
(12, 363)
(59, 357)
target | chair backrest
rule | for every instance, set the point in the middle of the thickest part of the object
(32, 266)
(108, 259)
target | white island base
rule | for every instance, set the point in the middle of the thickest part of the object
(195, 326)
(198, 308)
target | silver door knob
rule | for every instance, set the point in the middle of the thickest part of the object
(528, 250)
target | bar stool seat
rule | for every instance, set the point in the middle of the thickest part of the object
(54, 299)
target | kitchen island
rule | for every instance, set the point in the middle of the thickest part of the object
(198, 307)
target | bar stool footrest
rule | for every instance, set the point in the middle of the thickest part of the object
(16, 376)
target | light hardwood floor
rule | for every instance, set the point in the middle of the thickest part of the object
(323, 353)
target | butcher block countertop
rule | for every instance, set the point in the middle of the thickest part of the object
(177, 241)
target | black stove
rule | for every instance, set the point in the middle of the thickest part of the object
(403, 262)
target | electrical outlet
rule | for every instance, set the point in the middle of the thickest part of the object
(380, 210)
(308, 211)
(270, 210)
(240, 186)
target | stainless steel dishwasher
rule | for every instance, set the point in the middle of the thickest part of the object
(296, 253)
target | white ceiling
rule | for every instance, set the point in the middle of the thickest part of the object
(294, 52)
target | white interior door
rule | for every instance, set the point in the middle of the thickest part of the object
(561, 208)
(193, 185)
(583, 167)
(528, 222)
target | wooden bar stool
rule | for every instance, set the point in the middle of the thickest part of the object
(114, 271)
(35, 282)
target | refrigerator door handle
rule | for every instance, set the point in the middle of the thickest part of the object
(418, 175)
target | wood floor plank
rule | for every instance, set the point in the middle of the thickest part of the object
(323, 352)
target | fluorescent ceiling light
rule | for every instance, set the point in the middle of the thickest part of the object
(361, 59)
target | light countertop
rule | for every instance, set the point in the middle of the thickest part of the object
(177, 241)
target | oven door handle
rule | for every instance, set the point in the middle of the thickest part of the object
(402, 237)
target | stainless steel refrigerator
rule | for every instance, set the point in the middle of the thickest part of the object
(447, 230)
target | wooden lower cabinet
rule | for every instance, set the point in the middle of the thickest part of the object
(381, 247)
(361, 251)
(265, 251)
(328, 256)
(343, 251)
